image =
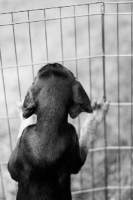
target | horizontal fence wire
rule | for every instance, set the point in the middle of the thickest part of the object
(58, 18)
(64, 60)
(111, 104)
(128, 187)
(66, 6)
(102, 13)
(54, 7)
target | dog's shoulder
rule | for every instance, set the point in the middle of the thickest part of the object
(47, 150)
(70, 137)
(70, 132)
(28, 135)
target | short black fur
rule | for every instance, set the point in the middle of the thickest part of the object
(48, 153)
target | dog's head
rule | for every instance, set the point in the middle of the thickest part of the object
(56, 81)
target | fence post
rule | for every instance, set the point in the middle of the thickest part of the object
(131, 172)
(104, 96)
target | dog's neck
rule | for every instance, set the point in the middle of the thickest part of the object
(52, 105)
(50, 117)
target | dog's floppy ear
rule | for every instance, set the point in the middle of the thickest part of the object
(80, 100)
(29, 104)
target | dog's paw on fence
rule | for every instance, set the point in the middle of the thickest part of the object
(100, 108)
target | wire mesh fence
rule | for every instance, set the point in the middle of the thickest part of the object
(95, 41)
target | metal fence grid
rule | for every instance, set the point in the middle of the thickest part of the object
(83, 36)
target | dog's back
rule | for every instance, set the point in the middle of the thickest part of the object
(47, 171)
(48, 152)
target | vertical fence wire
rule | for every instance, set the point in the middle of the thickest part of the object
(131, 172)
(104, 96)
(90, 75)
(118, 90)
(61, 32)
(16, 58)
(5, 100)
(46, 38)
(75, 40)
(89, 45)
(31, 50)
(2, 183)
(90, 82)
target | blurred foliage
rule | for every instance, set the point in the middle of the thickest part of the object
(118, 83)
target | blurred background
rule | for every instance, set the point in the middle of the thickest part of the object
(95, 42)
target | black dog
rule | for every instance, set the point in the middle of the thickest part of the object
(49, 152)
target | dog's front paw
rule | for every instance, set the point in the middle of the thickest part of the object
(100, 109)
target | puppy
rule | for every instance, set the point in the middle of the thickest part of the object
(49, 151)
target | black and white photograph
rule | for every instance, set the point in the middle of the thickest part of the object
(66, 100)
